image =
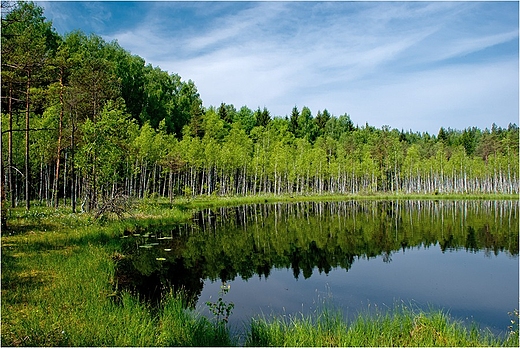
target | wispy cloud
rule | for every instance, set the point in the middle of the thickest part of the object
(395, 63)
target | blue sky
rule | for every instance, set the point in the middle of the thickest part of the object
(408, 65)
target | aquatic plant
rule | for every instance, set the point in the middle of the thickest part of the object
(220, 308)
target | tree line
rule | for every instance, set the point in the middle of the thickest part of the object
(84, 120)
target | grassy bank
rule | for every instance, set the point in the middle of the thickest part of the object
(58, 288)
(217, 201)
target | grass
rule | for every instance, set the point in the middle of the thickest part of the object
(58, 290)
(213, 201)
(402, 326)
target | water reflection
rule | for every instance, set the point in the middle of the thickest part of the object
(253, 240)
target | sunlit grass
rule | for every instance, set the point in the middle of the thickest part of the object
(58, 285)
(400, 327)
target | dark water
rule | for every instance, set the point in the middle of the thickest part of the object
(291, 258)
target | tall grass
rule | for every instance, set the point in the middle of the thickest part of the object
(399, 327)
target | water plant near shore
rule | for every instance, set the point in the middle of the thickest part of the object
(220, 308)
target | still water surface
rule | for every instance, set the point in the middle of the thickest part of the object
(291, 258)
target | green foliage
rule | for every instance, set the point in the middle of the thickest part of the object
(213, 125)
(321, 121)
(307, 128)
(336, 127)
(221, 309)
(262, 117)
(246, 118)
(105, 144)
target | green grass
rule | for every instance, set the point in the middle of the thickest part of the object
(58, 290)
(212, 201)
(400, 327)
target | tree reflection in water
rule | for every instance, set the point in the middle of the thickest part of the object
(249, 240)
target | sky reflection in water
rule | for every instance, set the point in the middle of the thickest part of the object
(471, 286)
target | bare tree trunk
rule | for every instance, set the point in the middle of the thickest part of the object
(58, 155)
(73, 193)
(65, 180)
(10, 150)
(40, 187)
(170, 187)
(27, 164)
(3, 209)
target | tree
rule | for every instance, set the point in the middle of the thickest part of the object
(246, 117)
(469, 139)
(335, 127)
(306, 126)
(197, 115)
(321, 120)
(188, 105)
(27, 42)
(442, 136)
(130, 69)
(104, 150)
(262, 117)
(94, 77)
(161, 90)
(213, 125)
(168, 98)
(236, 153)
(91, 81)
(224, 114)
(293, 121)
(62, 64)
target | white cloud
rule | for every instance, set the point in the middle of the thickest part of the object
(384, 63)
(471, 95)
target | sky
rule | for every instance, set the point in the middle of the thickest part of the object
(408, 65)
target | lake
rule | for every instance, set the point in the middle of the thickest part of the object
(293, 258)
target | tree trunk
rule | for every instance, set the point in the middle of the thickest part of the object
(58, 155)
(27, 164)
(10, 150)
(73, 192)
(65, 180)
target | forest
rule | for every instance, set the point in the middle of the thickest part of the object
(84, 121)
